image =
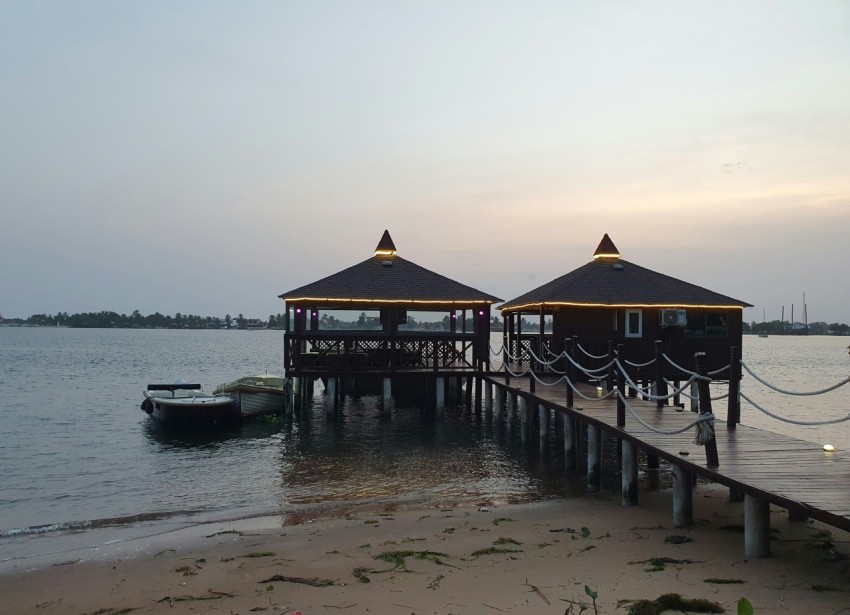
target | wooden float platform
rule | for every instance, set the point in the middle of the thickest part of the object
(794, 474)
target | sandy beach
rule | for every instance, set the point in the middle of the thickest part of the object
(529, 558)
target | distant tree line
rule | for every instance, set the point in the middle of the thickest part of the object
(778, 327)
(136, 320)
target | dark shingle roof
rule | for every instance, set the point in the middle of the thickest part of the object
(389, 278)
(609, 281)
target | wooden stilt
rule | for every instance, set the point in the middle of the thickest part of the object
(683, 498)
(570, 442)
(594, 458)
(629, 468)
(544, 419)
(756, 527)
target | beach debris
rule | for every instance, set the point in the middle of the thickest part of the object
(723, 581)
(506, 541)
(585, 532)
(677, 539)
(657, 564)
(494, 551)
(483, 509)
(186, 570)
(537, 591)
(397, 558)
(502, 520)
(435, 582)
(313, 582)
(568, 530)
(166, 551)
(210, 595)
(260, 554)
(684, 453)
(361, 574)
(111, 611)
(674, 602)
(237, 532)
(745, 607)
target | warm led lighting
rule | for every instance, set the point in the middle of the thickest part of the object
(516, 308)
(828, 448)
(385, 252)
(614, 255)
(599, 391)
(355, 300)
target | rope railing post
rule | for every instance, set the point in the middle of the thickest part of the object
(621, 388)
(660, 385)
(710, 443)
(612, 369)
(570, 344)
(733, 412)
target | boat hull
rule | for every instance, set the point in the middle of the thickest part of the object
(202, 411)
(255, 396)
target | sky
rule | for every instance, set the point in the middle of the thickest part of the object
(204, 157)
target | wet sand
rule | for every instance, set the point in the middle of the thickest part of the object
(528, 558)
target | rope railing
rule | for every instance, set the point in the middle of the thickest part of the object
(592, 356)
(794, 421)
(704, 424)
(784, 392)
(690, 373)
(647, 364)
(496, 352)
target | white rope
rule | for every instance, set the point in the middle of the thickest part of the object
(683, 370)
(719, 371)
(592, 356)
(647, 364)
(541, 361)
(694, 397)
(651, 396)
(496, 352)
(583, 396)
(792, 421)
(778, 390)
(703, 418)
(590, 372)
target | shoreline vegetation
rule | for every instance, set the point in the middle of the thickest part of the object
(113, 320)
(581, 555)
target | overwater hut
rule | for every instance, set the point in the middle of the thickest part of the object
(611, 301)
(386, 320)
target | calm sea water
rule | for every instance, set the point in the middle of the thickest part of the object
(82, 466)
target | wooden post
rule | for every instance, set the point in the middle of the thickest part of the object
(478, 399)
(570, 442)
(330, 399)
(499, 410)
(387, 397)
(677, 398)
(621, 387)
(440, 394)
(544, 419)
(733, 412)
(756, 527)
(594, 458)
(523, 418)
(519, 338)
(488, 396)
(612, 370)
(660, 385)
(571, 370)
(629, 469)
(683, 497)
(705, 406)
(694, 399)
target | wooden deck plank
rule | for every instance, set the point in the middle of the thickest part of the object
(784, 470)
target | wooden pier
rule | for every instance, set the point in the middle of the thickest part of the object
(758, 466)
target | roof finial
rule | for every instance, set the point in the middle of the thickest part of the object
(606, 249)
(385, 247)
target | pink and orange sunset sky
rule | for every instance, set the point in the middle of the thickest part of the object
(204, 157)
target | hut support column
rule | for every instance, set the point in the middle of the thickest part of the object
(543, 415)
(488, 396)
(570, 437)
(440, 394)
(387, 397)
(296, 393)
(594, 458)
(694, 396)
(523, 418)
(756, 527)
(500, 403)
(630, 472)
(683, 497)
(331, 398)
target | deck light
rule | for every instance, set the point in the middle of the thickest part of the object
(828, 448)
(298, 311)
(481, 312)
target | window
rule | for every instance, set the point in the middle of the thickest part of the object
(707, 324)
(634, 323)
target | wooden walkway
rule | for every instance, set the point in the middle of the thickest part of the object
(793, 474)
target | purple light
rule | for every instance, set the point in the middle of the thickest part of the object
(298, 311)
(454, 316)
(481, 313)
(314, 312)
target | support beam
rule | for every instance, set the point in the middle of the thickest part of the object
(499, 410)
(544, 418)
(756, 527)
(523, 418)
(387, 398)
(629, 461)
(594, 458)
(440, 394)
(331, 399)
(570, 442)
(488, 396)
(683, 497)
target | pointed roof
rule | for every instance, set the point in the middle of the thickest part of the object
(609, 280)
(388, 278)
(606, 249)
(385, 246)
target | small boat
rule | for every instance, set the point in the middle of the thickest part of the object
(762, 334)
(186, 404)
(256, 395)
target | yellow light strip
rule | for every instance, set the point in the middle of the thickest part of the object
(385, 252)
(349, 300)
(615, 255)
(515, 308)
